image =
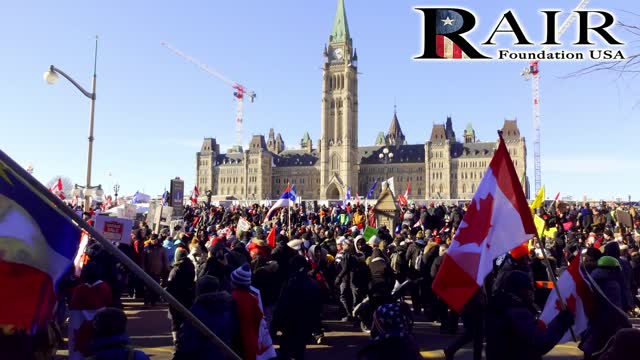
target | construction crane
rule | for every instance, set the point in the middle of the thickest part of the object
(533, 72)
(239, 91)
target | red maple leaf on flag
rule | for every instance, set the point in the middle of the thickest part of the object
(477, 221)
(571, 304)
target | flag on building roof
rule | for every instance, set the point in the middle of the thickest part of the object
(285, 200)
(57, 189)
(497, 221)
(373, 188)
(577, 296)
(37, 247)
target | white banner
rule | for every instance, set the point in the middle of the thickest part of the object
(114, 229)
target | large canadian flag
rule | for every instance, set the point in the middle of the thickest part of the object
(497, 220)
(57, 189)
(403, 200)
(195, 194)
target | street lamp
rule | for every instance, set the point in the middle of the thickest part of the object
(116, 188)
(386, 157)
(51, 77)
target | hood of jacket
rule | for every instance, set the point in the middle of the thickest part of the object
(606, 274)
(217, 301)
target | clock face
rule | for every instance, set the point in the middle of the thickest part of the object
(337, 54)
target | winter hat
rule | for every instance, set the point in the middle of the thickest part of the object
(608, 232)
(517, 280)
(374, 241)
(180, 255)
(420, 235)
(241, 277)
(109, 322)
(427, 234)
(389, 321)
(608, 262)
(207, 284)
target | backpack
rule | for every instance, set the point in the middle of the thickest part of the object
(396, 262)
(418, 262)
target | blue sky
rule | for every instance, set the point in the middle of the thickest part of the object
(154, 108)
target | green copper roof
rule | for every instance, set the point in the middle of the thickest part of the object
(380, 140)
(340, 32)
(469, 128)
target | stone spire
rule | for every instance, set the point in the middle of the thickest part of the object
(395, 135)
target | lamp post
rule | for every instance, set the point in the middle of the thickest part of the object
(51, 77)
(116, 188)
(386, 157)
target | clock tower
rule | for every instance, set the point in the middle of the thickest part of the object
(339, 117)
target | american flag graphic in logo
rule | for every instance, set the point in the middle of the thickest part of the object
(447, 22)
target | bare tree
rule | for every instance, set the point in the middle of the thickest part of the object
(67, 184)
(630, 65)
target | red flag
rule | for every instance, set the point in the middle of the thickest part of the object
(195, 194)
(271, 238)
(577, 295)
(403, 200)
(57, 189)
(497, 221)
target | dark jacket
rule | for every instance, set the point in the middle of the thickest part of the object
(391, 348)
(115, 348)
(347, 267)
(298, 310)
(265, 279)
(154, 260)
(610, 282)
(181, 283)
(382, 279)
(217, 269)
(415, 251)
(513, 331)
(628, 282)
(217, 311)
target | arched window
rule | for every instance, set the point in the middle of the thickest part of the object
(473, 188)
(441, 188)
(464, 188)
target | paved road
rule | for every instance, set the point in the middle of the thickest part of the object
(150, 331)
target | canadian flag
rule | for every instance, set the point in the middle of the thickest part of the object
(57, 189)
(577, 296)
(195, 194)
(403, 200)
(497, 220)
(74, 201)
(107, 204)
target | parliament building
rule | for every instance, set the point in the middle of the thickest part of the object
(444, 167)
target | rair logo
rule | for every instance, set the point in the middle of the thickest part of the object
(444, 32)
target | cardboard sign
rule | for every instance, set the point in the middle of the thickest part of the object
(624, 218)
(114, 229)
(243, 225)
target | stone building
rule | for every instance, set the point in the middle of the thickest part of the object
(444, 167)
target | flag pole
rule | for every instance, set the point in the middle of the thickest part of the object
(552, 276)
(61, 207)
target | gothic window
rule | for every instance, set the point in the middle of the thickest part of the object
(441, 188)
(419, 191)
(335, 162)
(473, 188)
(433, 189)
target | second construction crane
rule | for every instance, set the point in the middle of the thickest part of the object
(533, 72)
(239, 91)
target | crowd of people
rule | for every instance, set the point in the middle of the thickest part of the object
(286, 270)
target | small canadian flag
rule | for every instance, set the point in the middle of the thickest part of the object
(57, 189)
(195, 194)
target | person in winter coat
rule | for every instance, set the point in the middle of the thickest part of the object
(111, 340)
(362, 246)
(248, 310)
(238, 255)
(265, 279)
(181, 286)
(391, 335)
(348, 266)
(612, 249)
(448, 318)
(622, 346)
(216, 309)
(473, 320)
(197, 256)
(512, 329)
(154, 263)
(609, 317)
(217, 266)
(416, 269)
(382, 280)
(297, 312)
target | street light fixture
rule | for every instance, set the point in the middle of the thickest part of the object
(116, 188)
(386, 157)
(51, 77)
(209, 194)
